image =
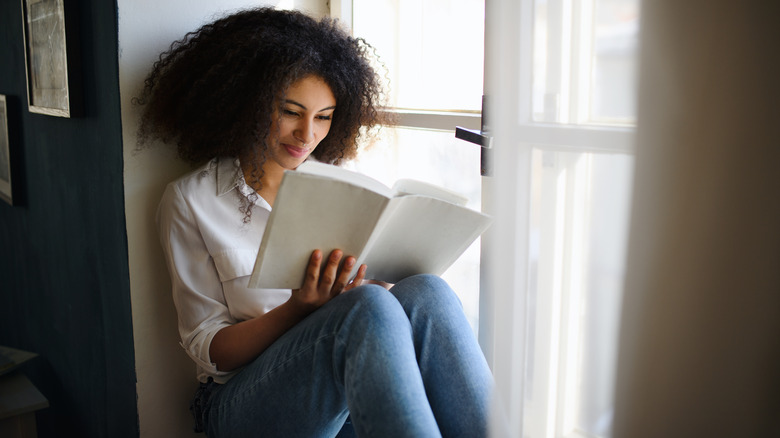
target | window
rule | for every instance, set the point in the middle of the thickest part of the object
(432, 53)
(565, 137)
(432, 48)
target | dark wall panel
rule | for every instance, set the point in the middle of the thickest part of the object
(64, 280)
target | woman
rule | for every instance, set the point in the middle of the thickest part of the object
(248, 97)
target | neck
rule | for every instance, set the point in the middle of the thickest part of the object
(266, 185)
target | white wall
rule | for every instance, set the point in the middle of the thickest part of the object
(166, 376)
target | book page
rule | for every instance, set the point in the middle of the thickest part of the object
(313, 212)
(401, 187)
(414, 187)
(341, 174)
(423, 236)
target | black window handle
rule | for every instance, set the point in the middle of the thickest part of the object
(481, 138)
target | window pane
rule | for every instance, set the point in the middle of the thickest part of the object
(579, 229)
(584, 61)
(433, 50)
(439, 158)
(616, 37)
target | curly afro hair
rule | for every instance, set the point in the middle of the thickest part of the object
(213, 92)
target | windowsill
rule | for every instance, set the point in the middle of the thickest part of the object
(436, 120)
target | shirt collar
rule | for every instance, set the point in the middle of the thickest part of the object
(230, 176)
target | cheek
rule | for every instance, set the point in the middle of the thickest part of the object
(281, 128)
(323, 131)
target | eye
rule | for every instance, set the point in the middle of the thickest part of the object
(326, 118)
(289, 112)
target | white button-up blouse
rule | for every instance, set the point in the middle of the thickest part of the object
(210, 252)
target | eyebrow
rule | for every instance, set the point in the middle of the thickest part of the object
(290, 101)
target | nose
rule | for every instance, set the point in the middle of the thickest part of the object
(304, 132)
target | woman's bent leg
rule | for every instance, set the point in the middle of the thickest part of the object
(457, 379)
(355, 353)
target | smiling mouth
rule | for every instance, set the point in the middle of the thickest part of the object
(295, 151)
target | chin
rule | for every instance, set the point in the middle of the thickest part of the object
(293, 164)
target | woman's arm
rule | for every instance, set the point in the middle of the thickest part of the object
(236, 345)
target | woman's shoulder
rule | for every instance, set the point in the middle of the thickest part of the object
(214, 178)
(198, 176)
(196, 187)
(201, 191)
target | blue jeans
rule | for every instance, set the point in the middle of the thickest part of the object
(400, 363)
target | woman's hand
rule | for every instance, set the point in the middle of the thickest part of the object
(238, 344)
(321, 285)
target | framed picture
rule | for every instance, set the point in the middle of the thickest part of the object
(49, 77)
(6, 193)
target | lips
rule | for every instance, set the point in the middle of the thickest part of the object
(297, 152)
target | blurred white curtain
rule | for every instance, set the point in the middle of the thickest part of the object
(700, 350)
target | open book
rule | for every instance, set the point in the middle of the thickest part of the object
(412, 228)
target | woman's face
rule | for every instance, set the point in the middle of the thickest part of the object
(301, 121)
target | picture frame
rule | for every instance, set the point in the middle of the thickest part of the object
(6, 189)
(50, 72)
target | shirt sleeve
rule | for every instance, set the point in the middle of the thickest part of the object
(197, 290)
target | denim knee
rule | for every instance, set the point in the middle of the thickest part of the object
(371, 299)
(425, 290)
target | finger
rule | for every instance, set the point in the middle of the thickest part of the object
(313, 269)
(343, 277)
(328, 275)
(359, 277)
